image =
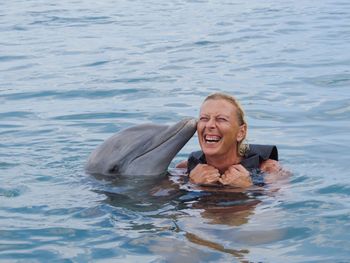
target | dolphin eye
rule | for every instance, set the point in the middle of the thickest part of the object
(114, 169)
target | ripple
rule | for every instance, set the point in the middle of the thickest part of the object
(335, 189)
(16, 115)
(271, 236)
(58, 233)
(102, 115)
(92, 94)
(6, 165)
(203, 43)
(97, 63)
(328, 81)
(177, 105)
(90, 212)
(308, 204)
(144, 79)
(21, 67)
(55, 20)
(15, 192)
(331, 110)
(12, 58)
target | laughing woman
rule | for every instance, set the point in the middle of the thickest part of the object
(224, 158)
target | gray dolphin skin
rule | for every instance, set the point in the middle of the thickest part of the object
(141, 150)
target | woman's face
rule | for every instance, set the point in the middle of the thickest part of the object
(218, 128)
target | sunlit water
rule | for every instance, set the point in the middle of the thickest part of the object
(72, 73)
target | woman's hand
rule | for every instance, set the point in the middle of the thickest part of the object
(204, 174)
(270, 166)
(274, 171)
(236, 175)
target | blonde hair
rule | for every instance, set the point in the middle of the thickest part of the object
(242, 147)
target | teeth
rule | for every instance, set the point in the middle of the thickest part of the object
(212, 139)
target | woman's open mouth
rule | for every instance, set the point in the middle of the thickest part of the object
(212, 139)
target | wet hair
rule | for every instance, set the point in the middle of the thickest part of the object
(242, 146)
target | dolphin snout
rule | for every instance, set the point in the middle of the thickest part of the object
(190, 122)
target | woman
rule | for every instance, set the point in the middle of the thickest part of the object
(225, 159)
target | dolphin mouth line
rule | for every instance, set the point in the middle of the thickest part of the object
(156, 146)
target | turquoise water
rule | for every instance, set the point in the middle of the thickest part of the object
(72, 73)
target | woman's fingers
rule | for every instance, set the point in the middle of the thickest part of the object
(236, 176)
(204, 174)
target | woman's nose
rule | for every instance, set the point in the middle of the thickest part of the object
(210, 123)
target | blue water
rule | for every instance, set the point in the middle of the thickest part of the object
(72, 73)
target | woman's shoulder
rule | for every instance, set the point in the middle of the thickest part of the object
(265, 152)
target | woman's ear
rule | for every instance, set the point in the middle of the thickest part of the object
(242, 133)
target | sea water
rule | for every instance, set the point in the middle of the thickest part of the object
(72, 73)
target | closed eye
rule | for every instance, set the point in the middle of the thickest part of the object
(204, 119)
(221, 119)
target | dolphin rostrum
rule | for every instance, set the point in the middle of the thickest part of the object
(141, 150)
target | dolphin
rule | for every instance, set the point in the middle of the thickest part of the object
(141, 150)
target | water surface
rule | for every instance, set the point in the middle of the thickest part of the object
(72, 73)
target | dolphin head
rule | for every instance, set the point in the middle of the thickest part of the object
(140, 150)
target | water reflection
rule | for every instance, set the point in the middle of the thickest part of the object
(238, 253)
(211, 217)
(228, 209)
